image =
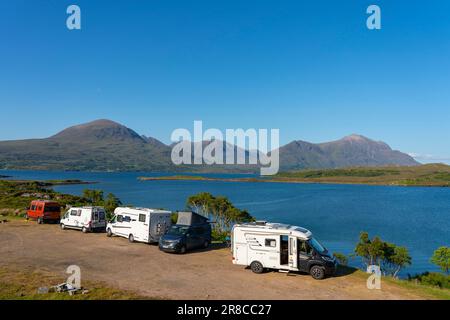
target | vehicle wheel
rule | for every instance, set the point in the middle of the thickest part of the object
(39, 220)
(183, 249)
(84, 230)
(63, 226)
(109, 233)
(27, 217)
(131, 238)
(317, 272)
(206, 244)
(257, 267)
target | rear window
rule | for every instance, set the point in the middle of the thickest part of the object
(52, 209)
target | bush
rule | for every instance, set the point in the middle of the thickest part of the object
(432, 279)
(341, 258)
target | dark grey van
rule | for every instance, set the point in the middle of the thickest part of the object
(192, 231)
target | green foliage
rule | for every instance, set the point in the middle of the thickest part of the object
(96, 198)
(395, 258)
(389, 257)
(174, 217)
(220, 211)
(432, 279)
(441, 258)
(17, 195)
(341, 258)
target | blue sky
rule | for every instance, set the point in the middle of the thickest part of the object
(310, 68)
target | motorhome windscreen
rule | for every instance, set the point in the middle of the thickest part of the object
(317, 246)
(178, 230)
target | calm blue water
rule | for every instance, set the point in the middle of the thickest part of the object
(418, 218)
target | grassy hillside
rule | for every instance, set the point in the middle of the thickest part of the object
(430, 175)
(424, 175)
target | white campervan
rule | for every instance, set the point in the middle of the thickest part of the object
(84, 218)
(263, 245)
(139, 224)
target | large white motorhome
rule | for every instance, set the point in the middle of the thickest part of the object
(263, 245)
(139, 224)
(84, 218)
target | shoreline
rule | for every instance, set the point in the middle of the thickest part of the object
(288, 180)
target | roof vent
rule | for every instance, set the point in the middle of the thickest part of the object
(261, 223)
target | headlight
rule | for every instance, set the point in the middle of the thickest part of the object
(328, 259)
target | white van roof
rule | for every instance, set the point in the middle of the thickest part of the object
(139, 210)
(277, 227)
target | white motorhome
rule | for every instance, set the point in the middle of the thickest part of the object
(263, 245)
(139, 224)
(84, 218)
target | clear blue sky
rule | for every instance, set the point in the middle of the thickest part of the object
(310, 68)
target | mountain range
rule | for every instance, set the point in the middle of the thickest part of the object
(105, 145)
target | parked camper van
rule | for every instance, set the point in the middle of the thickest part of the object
(192, 231)
(139, 224)
(262, 245)
(85, 219)
(44, 211)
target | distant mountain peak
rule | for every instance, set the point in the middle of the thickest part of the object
(355, 137)
(102, 129)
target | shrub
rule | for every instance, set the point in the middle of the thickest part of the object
(432, 279)
(341, 258)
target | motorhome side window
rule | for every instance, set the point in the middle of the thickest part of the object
(119, 218)
(79, 212)
(73, 212)
(271, 243)
(126, 219)
(141, 217)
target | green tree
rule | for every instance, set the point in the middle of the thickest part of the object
(111, 203)
(395, 259)
(390, 258)
(94, 197)
(220, 211)
(441, 258)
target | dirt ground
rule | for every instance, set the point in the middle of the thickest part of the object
(143, 269)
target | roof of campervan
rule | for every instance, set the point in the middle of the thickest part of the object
(138, 210)
(190, 218)
(277, 228)
(45, 201)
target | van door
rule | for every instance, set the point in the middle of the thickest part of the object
(293, 252)
(305, 254)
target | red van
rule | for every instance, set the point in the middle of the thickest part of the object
(41, 211)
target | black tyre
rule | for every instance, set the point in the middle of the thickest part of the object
(317, 272)
(257, 267)
(131, 238)
(183, 249)
(109, 232)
